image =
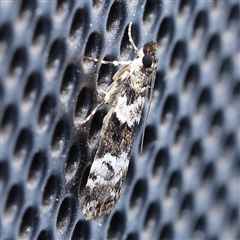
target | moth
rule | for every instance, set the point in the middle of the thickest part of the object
(125, 98)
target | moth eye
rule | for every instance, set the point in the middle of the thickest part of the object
(147, 61)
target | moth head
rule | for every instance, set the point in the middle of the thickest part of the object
(149, 59)
(150, 48)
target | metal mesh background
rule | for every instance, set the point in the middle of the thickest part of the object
(185, 184)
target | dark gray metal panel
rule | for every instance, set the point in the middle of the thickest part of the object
(185, 184)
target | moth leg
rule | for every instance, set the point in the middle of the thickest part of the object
(114, 63)
(101, 91)
(91, 114)
(100, 94)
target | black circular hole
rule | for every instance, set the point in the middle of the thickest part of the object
(234, 16)
(45, 235)
(29, 224)
(69, 83)
(116, 17)
(19, 64)
(50, 193)
(84, 103)
(117, 226)
(233, 215)
(81, 231)
(229, 142)
(151, 220)
(152, 11)
(4, 176)
(178, 57)
(139, 195)
(27, 9)
(56, 57)
(161, 163)
(47, 113)
(187, 204)
(132, 236)
(2, 93)
(96, 126)
(167, 232)
(221, 194)
(165, 33)
(213, 47)
(130, 172)
(78, 27)
(93, 49)
(217, 121)
(175, 184)
(64, 8)
(186, 7)
(23, 147)
(6, 37)
(196, 152)
(84, 180)
(192, 78)
(65, 215)
(149, 137)
(9, 123)
(200, 25)
(236, 163)
(42, 33)
(208, 173)
(32, 90)
(73, 161)
(200, 224)
(105, 75)
(205, 99)
(183, 131)
(226, 70)
(14, 204)
(170, 110)
(236, 92)
(37, 170)
(60, 138)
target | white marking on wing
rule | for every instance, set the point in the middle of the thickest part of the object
(100, 169)
(129, 113)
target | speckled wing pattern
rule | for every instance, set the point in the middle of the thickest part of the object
(125, 97)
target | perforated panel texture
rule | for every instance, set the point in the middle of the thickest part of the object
(185, 184)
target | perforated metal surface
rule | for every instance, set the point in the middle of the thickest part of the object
(185, 185)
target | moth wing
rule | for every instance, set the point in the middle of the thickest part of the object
(119, 79)
(109, 168)
(104, 185)
(120, 72)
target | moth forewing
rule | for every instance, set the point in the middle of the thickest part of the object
(125, 97)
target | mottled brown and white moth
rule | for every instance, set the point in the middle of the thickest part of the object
(125, 98)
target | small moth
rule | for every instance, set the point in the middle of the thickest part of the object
(125, 98)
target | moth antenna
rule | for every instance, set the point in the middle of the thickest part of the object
(131, 40)
(91, 114)
(114, 63)
(149, 105)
